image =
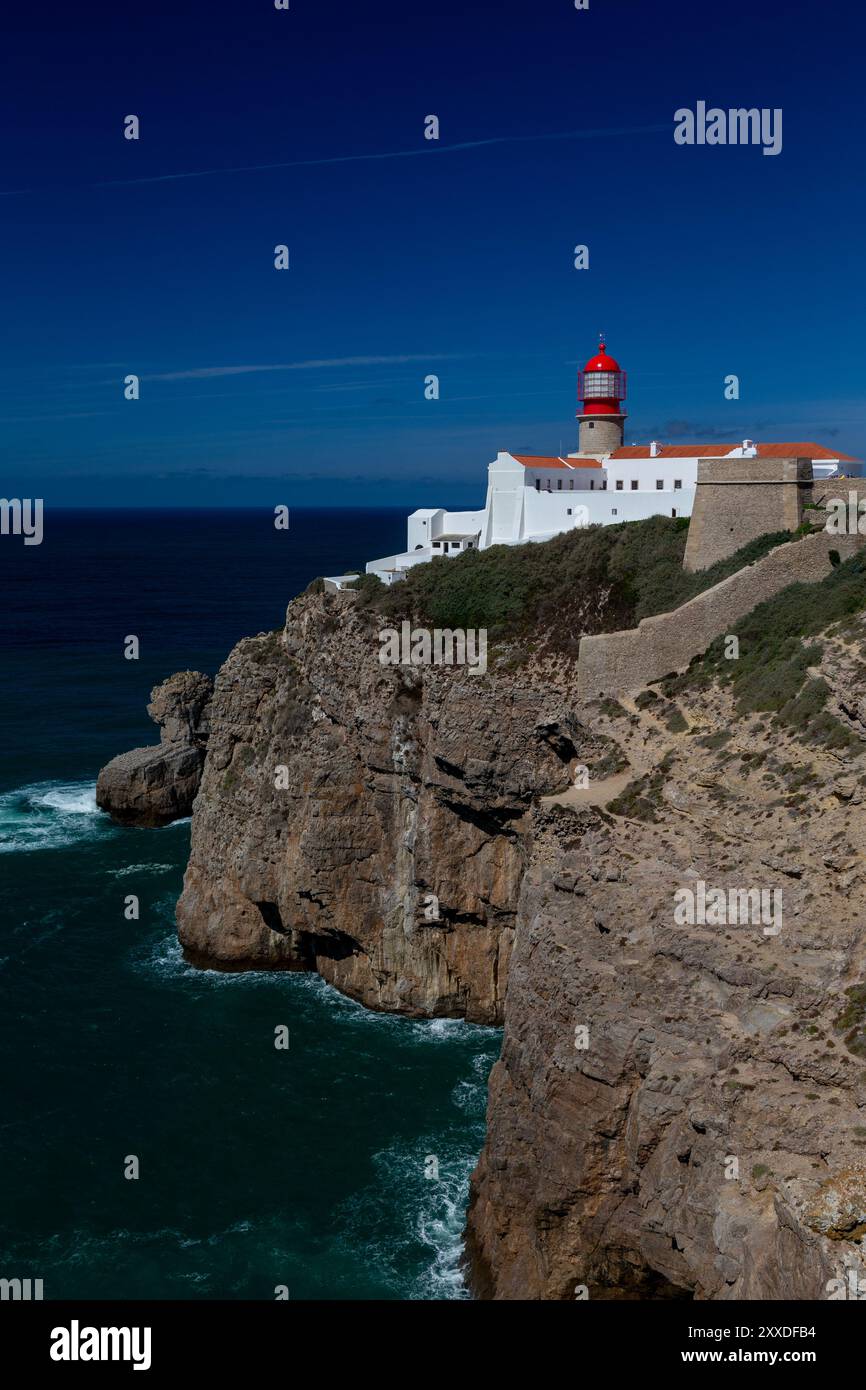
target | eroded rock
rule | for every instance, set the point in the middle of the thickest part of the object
(680, 1110)
(388, 852)
(156, 785)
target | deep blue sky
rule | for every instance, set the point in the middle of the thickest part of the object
(704, 261)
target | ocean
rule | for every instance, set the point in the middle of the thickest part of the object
(259, 1169)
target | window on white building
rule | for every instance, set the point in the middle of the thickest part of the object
(613, 511)
(591, 484)
(659, 484)
(678, 482)
(619, 484)
(559, 485)
(634, 484)
(538, 485)
(673, 511)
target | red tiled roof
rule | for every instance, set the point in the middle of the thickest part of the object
(765, 451)
(545, 461)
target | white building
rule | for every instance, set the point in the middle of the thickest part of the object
(533, 497)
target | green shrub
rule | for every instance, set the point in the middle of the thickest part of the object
(852, 1020)
(591, 579)
(716, 740)
(642, 798)
(772, 672)
(645, 699)
(675, 720)
(612, 709)
(369, 586)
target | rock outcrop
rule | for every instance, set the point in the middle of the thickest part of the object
(156, 785)
(369, 821)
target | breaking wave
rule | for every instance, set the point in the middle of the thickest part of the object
(50, 815)
(429, 1184)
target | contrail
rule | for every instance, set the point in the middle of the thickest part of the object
(310, 363)
(597, 133)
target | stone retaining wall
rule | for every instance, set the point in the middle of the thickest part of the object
(616, 663)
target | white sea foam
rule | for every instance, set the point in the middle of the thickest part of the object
(143, 869)
(431, 1215)
(422, 1030)
(74, 799)
(50, 815)
(440, 1227)
(469, 1095)
(165, 957)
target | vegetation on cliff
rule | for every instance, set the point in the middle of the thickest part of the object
(595, 579)
(775, 669)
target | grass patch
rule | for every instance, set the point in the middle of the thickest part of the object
(675, 720)
(771, 674)
(642, 799)
(716, 740)
(612, 709)
(852, 1020)
(611, 759)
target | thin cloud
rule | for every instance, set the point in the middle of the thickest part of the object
(199, 373)
(426, 150)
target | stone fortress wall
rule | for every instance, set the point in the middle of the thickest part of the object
(736, 500)
(739, 499)
(825, 490)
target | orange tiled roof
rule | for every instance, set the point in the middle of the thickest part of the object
(545, 461)
(802, 449)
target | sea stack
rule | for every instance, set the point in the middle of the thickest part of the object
(155, 785)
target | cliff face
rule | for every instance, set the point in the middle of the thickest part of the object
(368, 821)
(679, 1109)
(706, 1135)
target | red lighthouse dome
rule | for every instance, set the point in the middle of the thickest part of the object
(601, 384)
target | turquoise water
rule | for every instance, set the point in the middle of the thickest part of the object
(258, 1167)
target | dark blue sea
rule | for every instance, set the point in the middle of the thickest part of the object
(258, 1168)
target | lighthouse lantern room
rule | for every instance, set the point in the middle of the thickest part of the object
(601, 390)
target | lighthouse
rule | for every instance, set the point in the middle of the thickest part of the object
(533, 497)
(600, 392)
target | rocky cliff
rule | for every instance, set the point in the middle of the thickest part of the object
(680, 1109)
(368, 821)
